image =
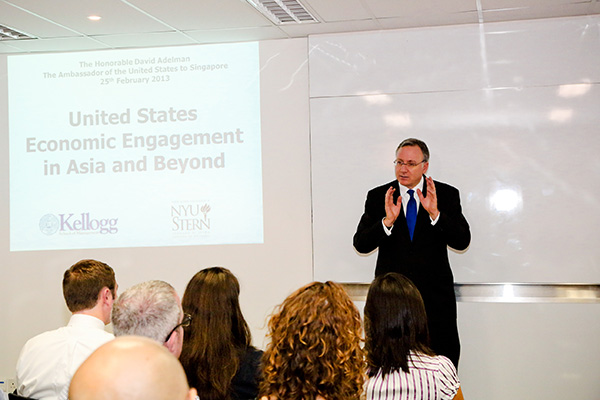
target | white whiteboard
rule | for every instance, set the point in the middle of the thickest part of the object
(503, 121)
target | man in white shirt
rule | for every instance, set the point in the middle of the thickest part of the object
(48, 361)
(151, 309)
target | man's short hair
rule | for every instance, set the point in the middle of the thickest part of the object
(415, 142)
(84, 280)
(151, 309)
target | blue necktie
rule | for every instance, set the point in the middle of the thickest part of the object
(411, 213)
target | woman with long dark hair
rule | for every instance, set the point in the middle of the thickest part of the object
(315, 350)
(217, 354)
(400, 363)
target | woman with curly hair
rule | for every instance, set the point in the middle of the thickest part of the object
(217, 354)
(315, 350)
(400, 363)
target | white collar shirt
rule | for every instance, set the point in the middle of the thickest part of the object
(406, 196)
(48, 361)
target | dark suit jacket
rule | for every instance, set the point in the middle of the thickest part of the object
(425, 259)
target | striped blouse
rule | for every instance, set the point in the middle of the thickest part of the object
(430, 378)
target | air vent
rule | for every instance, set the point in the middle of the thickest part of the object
(283, 11)
(7, 33)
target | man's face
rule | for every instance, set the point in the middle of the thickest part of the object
(406, 175)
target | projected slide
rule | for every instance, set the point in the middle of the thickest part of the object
(133, 148)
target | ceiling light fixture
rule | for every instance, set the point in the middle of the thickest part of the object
(7, 33)
(94, 18)
(283, 11)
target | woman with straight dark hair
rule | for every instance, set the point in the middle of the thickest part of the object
(315, 350)
(400, 363)
(217, 354)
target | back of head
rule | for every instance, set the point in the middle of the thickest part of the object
(218, 333)
(149, 309)
(315, 346)
(130, 368)
(395, 323)
(84, 280)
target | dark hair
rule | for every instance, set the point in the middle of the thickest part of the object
(84, 280)
(218, 335)
(315, 347)
(415, 142)
(395, 324)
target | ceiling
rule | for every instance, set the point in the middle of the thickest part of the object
(63, 25)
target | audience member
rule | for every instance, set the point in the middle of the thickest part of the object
(315, 349)
(151, 309)
(48, 361)
(131, 368)
(400, 363)
(217, 355)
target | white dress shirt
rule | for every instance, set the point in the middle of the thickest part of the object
(48, 361)
(405, 198)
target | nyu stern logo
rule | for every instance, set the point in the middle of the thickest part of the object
(190, 217)
(80, 223)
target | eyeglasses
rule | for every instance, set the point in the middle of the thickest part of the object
(410, 164)
(185, 322)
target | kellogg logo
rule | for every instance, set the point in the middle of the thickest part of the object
(82, 223)
(49, 224)
(190, 217)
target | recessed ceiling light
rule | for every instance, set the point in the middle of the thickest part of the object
(7, 33)
(94, 18)
(283, 11)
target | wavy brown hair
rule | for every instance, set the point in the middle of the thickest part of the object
(315, 347)
(218, 334)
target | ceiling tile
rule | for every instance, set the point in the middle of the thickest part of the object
(25, 22)
(60, 44)
(143, 23)
(7, 48)
(331, 27)
(237, 35)
(146, 39)
(338, 10)
(430, 20)
(508, 4)
(117, 17)
(404, 8)
(564, 10)
(205, 14)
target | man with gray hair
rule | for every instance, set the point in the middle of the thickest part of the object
(151, 309)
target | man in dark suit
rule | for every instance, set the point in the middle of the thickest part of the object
(420, 255)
